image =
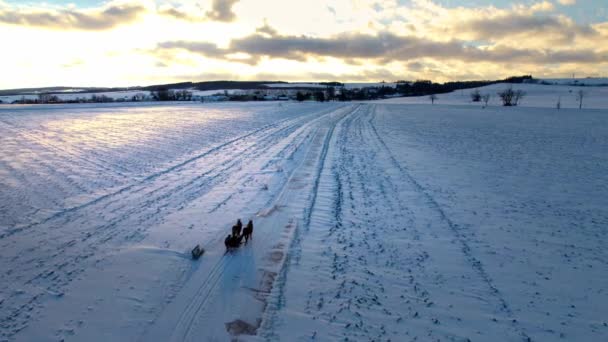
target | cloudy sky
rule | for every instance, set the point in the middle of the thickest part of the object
(139, 42)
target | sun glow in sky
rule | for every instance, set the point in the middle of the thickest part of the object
(140, 42)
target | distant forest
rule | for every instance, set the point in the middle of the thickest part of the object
(332, 91)
(402, 88)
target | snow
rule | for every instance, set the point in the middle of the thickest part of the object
(372, 221)
(589, 81)
(455, 223)
(537, 95)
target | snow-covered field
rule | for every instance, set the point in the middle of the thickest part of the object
(589, 81)
(372, 222)
(537, 95)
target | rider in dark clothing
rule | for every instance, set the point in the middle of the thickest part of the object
(227, 241)
(236, 229)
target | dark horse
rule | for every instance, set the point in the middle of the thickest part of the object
(236, 229)
(248, 231)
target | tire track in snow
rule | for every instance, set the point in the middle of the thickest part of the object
(145, 180)
(293, 226)
(65, 270)
(302, 138)
(360, 281)
(74, 158)
(356, 248)
(276, 293)
(189, 318)
(474, 263)
(149, 200)
(407, 260)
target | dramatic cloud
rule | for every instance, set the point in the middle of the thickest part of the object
(567, 2)
(129, 42)
(221, 10)
(203, 48)
(544, 6)
(515, 24)
(178, 14)
(100, 19)
(384, 46)
(267, 29)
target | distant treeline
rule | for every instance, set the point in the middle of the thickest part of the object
(54, 99)
(205, 85)
(402, 88)
(420, 88)
(332, 91)
(212, 85)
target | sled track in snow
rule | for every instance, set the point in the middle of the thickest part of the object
(147, 202)
(363, 173)
(302, 138)
(472, 260)
(188, 317)
(99, 164)
(208, 176)
(276, 296)
(358, 177)
(187, 320)
(131, 186)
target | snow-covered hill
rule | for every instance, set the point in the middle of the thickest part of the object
(589, 81)
(537, 95)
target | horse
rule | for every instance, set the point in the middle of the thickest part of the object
(236, 230)
(248, 231)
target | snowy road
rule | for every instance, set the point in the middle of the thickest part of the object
(400, 222)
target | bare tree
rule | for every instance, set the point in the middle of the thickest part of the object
(486, 99)
(331, 93)
(183, 95)
(511, 97)
(433, 97)
(300, 96)
(475, 96)
(580, 95)
(45, 98)
(519, 94)
(507, 96)
(320, 96)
